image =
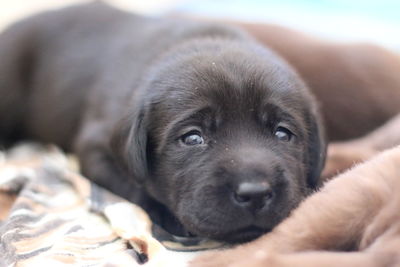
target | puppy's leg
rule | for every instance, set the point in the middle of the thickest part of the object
(319, 259)
(382, 251)
(335, 218)
(16, 60)
(343, 155)
(98, 164)
(261, 258)
(383, 234)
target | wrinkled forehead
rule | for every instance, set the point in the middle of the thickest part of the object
(230, 94)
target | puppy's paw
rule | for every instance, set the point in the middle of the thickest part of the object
(220, 258)
(236, 258)
(342, 156)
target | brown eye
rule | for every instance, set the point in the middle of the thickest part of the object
(283, 134)
(192, 138)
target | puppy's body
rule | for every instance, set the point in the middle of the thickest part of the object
(82, 56)
(220, 133)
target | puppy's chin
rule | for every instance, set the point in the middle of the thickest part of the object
(239, 235)
(231, 230)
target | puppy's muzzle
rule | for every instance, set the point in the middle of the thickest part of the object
(251, 176)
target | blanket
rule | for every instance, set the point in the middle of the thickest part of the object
(50, 214)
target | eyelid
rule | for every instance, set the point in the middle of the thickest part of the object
(189, 129)
(287, 126)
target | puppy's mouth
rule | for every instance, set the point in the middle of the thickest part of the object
(241, 235)
(244, 234)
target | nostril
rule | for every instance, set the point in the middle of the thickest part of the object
(249, 192)
(269, 195)
(241, 198)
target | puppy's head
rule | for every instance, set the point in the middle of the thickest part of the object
(227, 137)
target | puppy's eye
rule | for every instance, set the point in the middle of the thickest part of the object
(192, 138)
(283, 134)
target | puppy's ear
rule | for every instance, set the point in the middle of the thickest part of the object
(316, 150)
(129, 144)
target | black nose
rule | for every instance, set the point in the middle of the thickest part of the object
(253, 195)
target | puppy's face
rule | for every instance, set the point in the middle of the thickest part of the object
(231, 142)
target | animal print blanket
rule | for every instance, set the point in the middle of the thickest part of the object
(49, 214)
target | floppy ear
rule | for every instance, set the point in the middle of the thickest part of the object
(316, 151)
(129, 144)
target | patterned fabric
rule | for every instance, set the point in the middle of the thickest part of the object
(49, 214)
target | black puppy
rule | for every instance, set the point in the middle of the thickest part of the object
(193, 121)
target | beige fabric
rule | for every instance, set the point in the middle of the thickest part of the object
(52, 215)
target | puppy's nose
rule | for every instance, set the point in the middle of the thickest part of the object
(253, 195)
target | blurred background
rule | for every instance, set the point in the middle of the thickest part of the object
(376, 21)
